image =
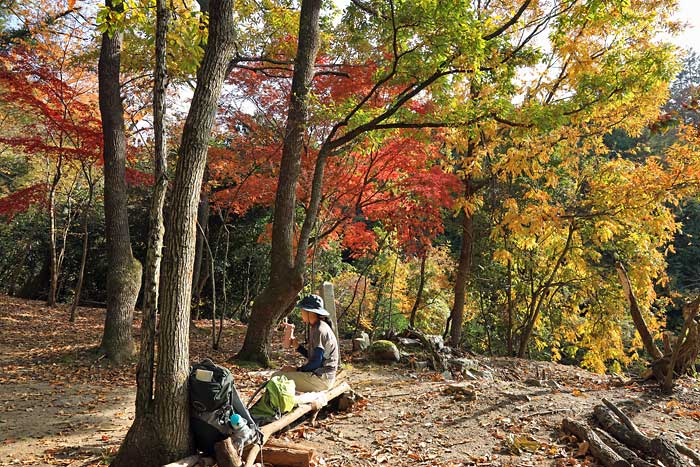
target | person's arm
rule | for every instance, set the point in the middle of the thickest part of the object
(314, 362)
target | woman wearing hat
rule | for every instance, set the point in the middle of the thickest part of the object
(318, 374)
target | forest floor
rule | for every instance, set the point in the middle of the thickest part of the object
(61, 404)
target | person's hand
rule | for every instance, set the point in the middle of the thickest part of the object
(288, 368)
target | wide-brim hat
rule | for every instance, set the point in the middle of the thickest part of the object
(314, 304)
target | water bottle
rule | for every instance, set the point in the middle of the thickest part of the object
(242, 433)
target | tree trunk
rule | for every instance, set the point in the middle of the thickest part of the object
(636, 313)
(83, 258)
(124, 271)
(542, 292)
(286, 272)
(53, 255)
(171, 401)
(419, 295)
(202, 220)
(509, 312)
(170, 406)
(142, 441)
(463, 269)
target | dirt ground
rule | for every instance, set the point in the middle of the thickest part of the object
(61, 404)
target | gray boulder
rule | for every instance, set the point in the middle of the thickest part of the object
(384, 351)
(361, 343)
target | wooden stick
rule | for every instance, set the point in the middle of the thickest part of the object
(272, 428)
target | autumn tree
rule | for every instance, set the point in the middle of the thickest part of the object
(50, 108)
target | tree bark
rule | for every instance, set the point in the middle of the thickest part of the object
(154, 254)
(463, 268)
(286, 272)
(419, 294)
(171, 402)
(124, 272)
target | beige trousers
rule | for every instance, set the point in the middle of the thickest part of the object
(306, 381)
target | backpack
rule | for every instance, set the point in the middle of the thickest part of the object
(277, 400)
(213, 399)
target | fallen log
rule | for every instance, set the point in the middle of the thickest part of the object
(601, 451)
(624, 452)
(277, 425)
(628, 434)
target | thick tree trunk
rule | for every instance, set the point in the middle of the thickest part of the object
(171, 401)
(124, 272)
(286, 272)
(142, 441)
(154, 254)
(419, 294)
(463, 271)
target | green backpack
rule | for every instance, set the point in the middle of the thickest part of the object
(277, 400)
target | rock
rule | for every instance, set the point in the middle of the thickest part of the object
(384, 351)
(407, 342)
(463, 364)
(485, 374)
(436, 340)
(421, 365)
(460, 391)
(361, 343)
(534, 382)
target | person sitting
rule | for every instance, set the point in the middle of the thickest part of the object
(318, 374)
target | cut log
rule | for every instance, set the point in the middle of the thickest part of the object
(286, 454)
(601, 451)
(270, 429)
(226, 454)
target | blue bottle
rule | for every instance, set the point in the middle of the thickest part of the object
(242, 433)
